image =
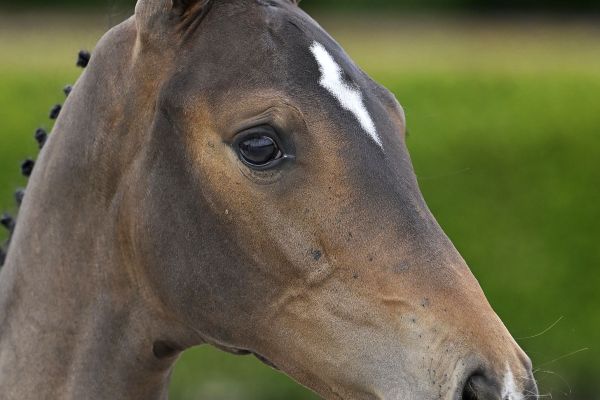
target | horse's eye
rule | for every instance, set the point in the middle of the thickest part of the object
(259, 150)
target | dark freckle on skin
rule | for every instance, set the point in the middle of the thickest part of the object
(425, 303)
(400, 268)
(316, 254)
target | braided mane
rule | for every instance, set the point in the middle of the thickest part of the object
(27, 166)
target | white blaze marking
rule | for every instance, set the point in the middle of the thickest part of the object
(510, 391)
(349, 97)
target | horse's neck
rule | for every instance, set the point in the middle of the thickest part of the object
(57, 344)
(75, 320)
(72, 322)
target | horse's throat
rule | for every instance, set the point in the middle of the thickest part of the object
(73, 325)
(63, 347)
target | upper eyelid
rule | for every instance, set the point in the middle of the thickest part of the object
(257, 127)
(278, 115)
(241, 135)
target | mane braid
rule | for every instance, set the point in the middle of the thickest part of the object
(40, 136)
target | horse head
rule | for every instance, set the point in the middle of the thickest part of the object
(260, 198)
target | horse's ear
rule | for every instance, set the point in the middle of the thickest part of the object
(182, 7)
(154, 16)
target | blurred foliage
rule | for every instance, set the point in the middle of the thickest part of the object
(503, 119)
(461, 5)
(469, 5)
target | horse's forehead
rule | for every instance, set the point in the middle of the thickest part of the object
(283, 49)
(348, 94)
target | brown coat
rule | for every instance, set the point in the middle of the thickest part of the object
(150, 227)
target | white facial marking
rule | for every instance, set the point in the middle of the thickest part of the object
(510, 391)
(349, 97)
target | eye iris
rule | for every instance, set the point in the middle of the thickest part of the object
(259, 150)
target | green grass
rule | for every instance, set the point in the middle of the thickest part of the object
(504, 132)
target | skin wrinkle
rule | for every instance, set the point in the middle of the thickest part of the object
(143, 226)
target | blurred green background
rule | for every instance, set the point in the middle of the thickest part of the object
(462, 5)
(503, 106)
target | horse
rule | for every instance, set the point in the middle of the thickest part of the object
(223, 174)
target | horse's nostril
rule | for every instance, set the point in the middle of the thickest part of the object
(478, 387)
(469, 391)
